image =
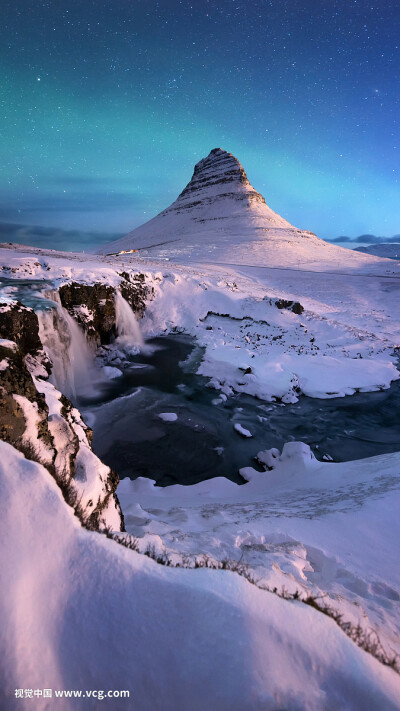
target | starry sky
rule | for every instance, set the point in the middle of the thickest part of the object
(107, 105)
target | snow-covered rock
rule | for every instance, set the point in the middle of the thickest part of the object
(242, 430)
(43, 424)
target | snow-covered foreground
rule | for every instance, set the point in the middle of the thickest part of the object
(331, 530)
(81, 612)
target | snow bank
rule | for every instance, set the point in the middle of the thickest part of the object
(329, 530)
(79, 611)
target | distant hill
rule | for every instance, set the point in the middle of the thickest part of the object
(390, 250)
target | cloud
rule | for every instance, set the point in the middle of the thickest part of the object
(339, 239)
(54, 238)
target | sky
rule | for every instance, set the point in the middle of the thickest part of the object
(107, 105)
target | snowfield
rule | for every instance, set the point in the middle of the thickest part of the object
(330, 530)
(80, 611)
(344, 341)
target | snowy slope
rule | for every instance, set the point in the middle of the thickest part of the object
(220, 217)
(329, 529)
(80, 612)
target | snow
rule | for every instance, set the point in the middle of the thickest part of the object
(111, 372)
(219, 217)
(70, 440)
(6, 343)
(343, 342)
(79, 611)
(168, 416)
(242, 430)
(325, 529)
(33, 419)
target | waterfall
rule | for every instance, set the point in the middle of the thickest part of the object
(128, 331)
(66, 346)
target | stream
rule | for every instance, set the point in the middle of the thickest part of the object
(201, 443)
(196, 439)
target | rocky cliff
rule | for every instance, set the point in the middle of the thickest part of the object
(44, 425)
(93, 305)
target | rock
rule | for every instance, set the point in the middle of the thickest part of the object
(93, 307)
(15, 379)
(294, 306)
(135, 291)
(20, 324)
(43, 424)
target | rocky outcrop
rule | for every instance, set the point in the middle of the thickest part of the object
(135, 291)
(43, 424)
(16, 383)
(294, 306)
(217, 177)
(93, 307)
(20, 324)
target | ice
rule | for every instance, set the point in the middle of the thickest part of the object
(242, 430)
(111, 372)
(168, 416)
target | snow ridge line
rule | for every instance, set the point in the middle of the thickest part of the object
(367, 640)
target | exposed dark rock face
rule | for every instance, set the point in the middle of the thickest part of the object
(221, 173)
(93, 307)
(19, 323)
(294, 306)
(135, 291)
(15, 379)
(60, 441)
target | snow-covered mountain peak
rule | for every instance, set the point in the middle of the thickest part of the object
(218, 202)
(220, 217)
(220, 177)
(219, 167)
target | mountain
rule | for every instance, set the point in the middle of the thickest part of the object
(220, 217)
(390, 250)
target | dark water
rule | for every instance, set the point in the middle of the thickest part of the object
(202, 443)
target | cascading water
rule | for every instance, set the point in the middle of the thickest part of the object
(66, 346)
(128, 331)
